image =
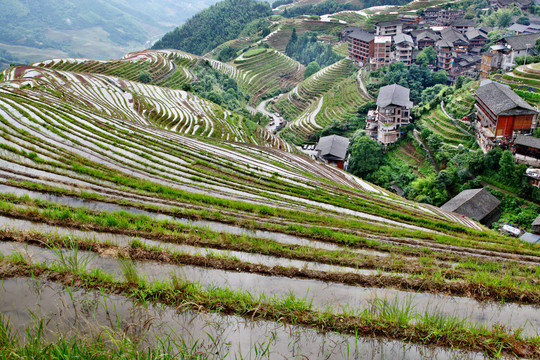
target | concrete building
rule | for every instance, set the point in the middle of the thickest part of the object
(519, 45)
(393, 112)
(389, 28)
(498, 57)
(382, 51)
(444, 55)
(361, 45)
(404, 46)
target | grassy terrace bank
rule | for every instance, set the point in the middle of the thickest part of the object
(346, 231)
(388, 320)
(465, 274)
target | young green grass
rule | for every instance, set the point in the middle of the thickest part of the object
(433, 330)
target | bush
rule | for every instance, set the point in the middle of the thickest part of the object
(144, 77)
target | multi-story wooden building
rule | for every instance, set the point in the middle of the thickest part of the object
(444, 54)
(502, 113)
(404, 46)
(361, 45)
(425, 38)
(393, 112)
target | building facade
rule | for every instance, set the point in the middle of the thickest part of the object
(502, 114)
(382, 50)
(361, 45)
(393, 112)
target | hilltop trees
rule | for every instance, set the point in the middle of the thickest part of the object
(306, 49)
(213, 26)
(366, 156)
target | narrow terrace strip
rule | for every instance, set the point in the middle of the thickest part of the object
(139, 252)
(426, 330)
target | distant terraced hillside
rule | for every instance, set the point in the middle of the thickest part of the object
(175, 110)
(525, 81)
(266, 71)
(330, 94)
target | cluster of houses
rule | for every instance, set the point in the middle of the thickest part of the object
(457, 41)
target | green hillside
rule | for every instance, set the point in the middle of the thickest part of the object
(213, 26)
(156, 195)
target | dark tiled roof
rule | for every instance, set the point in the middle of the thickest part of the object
(463, 22)
(333, 147)
(362, 35)
(485, 29)
(529, 141)
(474, 203)
(501, 99)
(521, 42)
(394, 95)
(474, 33)
(400, 38)
(389, 23)
(427, 34)
(518, 27)
(450, 35)
(530, 238)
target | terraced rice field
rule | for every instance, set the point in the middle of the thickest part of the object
(442, 125)
(409, 155)
(266, 72)
(331, 93)
(162, 64)
(212, 247)
(528, 75)
(175, 110)
(280, 39)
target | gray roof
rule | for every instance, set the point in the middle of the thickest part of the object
(388, 23)
(427, 34)
(474, 203)
(362, 35)
(529, 141)
(474, 33)
(401, 38)
(463, 22)
(333, 147)
(536, 221)
(394, 95)
(530, 238)
(522, 42)
(501, 99)
(485, 29)
(518, 27)
(444, 43)
(450, 35)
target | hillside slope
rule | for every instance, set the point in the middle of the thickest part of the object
(107, 183)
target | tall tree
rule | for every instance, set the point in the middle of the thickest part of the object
(366, 156)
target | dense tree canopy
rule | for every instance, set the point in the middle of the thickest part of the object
(366, 156)
(416, 78)
(306, 49)
(213, 26)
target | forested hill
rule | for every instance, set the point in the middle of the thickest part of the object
(213, 26)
